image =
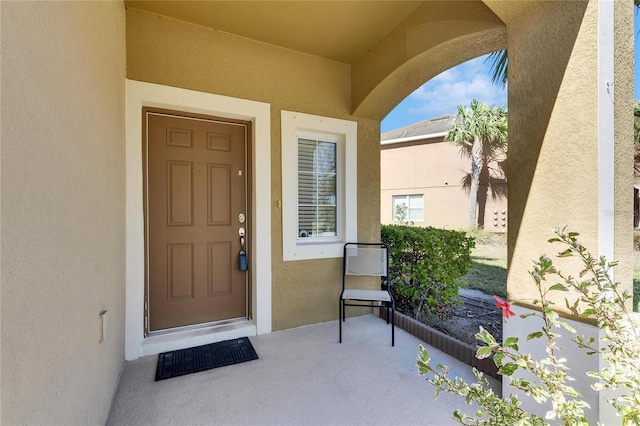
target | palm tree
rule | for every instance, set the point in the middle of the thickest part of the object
(481, 133)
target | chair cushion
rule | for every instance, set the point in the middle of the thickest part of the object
(372, 295)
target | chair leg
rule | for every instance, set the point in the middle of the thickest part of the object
(340, 314)
(393, 325)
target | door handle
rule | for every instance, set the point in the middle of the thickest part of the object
(242, 255)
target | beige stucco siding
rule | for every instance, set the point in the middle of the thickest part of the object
(174, 53)
(554, 140)
(63, 223)
(561, 139)
(623, 127)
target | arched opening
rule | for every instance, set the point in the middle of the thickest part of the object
(419, 50)
(417, 157)
(567, 141)
(425, 182)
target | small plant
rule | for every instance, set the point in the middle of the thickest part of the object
(426, 264)
(401, 213)
(620, 346)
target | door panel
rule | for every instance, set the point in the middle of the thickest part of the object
(180, 271)
(219, 259)
(196, 188)
(218, 195)
(179, 193)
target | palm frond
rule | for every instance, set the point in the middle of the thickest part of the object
(500, 67)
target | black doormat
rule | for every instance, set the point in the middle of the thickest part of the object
(191, 360)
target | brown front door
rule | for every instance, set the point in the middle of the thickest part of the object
(196, 194)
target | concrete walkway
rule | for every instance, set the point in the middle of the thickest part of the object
(303, 377)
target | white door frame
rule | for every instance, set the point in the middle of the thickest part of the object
(139, 94)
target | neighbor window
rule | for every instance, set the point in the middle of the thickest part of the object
(319, 178)
(408, 208)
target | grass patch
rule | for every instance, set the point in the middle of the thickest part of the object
(488, 273)
(484, 237)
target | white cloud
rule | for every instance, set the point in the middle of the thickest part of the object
(445, 97)
(452, 74)
(443, 93)
(456, 86)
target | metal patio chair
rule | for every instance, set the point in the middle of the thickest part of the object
(366, 260)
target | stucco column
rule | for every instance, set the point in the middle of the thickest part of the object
(570, 152)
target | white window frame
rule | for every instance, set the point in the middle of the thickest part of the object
(408, 198)
(294, 126)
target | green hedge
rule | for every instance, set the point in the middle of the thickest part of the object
(425, 266)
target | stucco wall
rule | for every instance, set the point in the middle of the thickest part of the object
(554, 137)
(624, 40)
(63, 228)
(558, 102)
(553, 134)
(174, 53)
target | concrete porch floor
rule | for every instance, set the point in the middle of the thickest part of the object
(303, 377)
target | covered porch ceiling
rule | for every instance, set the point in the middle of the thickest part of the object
(342, 31)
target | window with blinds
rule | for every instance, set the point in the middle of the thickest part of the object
(319, 185)
(317, 188)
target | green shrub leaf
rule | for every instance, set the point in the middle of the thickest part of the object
(425, 267)
(558, 286)
(535, 335)
(508, 369)
(483, 352)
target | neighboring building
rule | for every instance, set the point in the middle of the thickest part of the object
(421, 170)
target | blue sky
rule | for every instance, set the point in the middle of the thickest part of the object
(459, 85)
(443, 93)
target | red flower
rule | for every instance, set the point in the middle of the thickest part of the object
(506, 308)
